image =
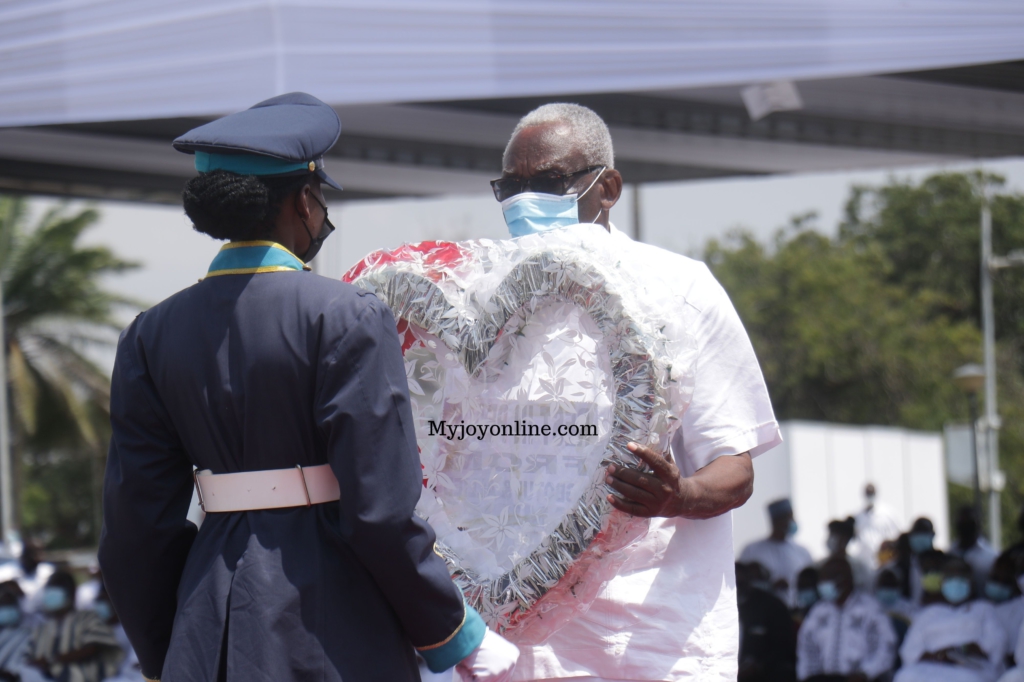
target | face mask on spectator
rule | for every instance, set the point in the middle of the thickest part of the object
(931, 582)
(103, 610)
(887, 596)
(9, 615)
(793, 528)
(834, 543)
(54, 599)
(921, 542)
(956, 590)
(997, 592)
(828, 590)
(806, 597)
(763, 585)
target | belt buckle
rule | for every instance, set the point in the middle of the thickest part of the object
(199, 489)
(305, 487)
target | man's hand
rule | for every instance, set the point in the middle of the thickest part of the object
(724, 484)
(661, 493)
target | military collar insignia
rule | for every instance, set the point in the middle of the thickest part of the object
(254, 257)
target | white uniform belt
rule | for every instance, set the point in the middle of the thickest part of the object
(270, 489)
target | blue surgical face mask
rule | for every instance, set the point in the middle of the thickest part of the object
(531, 212)
(828, 590)
(921, 542)
(103, 610)
(9, 615)
(806, 597)
(887, 596)
(997, 592)
(54, 598)
(793, 528)
(956, 590)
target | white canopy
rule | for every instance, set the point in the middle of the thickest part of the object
(65, 61)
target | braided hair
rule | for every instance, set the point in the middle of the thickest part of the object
(235, 207)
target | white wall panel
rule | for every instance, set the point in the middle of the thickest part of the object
(885, 468)
(926, 483)
(809, 464)
(847, 454)
(824, 467)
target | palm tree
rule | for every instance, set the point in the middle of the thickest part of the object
(53, 307)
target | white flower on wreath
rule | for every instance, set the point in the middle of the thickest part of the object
(497, 528)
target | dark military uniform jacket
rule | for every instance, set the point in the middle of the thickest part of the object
(247, 372)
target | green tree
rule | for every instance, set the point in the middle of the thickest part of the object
(836, 340)
(54, 306)
(867, 328)
(929, 234)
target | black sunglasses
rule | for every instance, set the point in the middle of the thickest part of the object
(545, 183)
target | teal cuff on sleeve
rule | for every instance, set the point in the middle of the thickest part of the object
(460, 644)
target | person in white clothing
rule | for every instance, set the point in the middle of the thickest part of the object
(1002, 591)
(874, 525)
(778, 553)
(840, 540)
(958, 639)
(34, 576)
(1016, 674)
(670, 613)
(846, 633)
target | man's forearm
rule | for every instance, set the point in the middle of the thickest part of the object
(724, 484)
(719, 487)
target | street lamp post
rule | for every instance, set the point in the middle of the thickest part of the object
(991, 423)
(970, 379)
(6, 476)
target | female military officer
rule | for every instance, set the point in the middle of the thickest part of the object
(287, 392)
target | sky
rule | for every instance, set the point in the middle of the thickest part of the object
(680, 216)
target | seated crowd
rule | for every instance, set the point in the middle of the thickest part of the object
(53, 629)
(883, 605)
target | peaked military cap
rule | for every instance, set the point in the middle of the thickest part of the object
(284, 135)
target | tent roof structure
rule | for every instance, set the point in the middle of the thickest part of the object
(92, 91)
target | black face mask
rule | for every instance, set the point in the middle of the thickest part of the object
(316, 242)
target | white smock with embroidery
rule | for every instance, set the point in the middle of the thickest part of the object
(841, 640)
(670, 613)
(941, 626)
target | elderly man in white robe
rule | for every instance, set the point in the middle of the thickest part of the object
(957, 640)
(846, 633)
(670, 613)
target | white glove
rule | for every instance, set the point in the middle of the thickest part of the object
(492, 661)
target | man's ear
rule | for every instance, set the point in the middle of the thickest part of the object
(611, 188)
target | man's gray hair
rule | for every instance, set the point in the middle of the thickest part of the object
(589, 130)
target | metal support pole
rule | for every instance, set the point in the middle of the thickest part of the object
(991, 421)
(972, 401)
(6, 485)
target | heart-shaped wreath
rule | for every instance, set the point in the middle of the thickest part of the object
(463, 310)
